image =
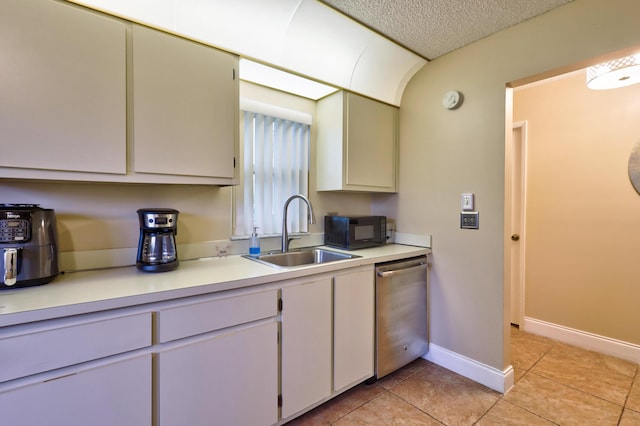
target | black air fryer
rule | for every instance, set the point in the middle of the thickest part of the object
(28, 245)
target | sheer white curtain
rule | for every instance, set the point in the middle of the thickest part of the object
(275, 166)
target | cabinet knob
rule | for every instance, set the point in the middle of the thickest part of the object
(515, 237)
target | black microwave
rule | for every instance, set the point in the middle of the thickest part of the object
(355, 232)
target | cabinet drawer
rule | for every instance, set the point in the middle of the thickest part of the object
(214, 313)
(35, 348)
(113, 391)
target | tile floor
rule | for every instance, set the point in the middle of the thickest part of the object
(555, 384)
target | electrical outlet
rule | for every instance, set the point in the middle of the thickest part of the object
(466, 202)
(469, 220)
(390, 231)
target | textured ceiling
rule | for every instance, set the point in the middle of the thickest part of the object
(432, 28)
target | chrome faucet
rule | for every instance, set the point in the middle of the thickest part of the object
(310, 217)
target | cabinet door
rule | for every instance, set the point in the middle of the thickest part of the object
(185, 103)
(112, 392)
(356, 144)
(353, 328)
(370, 151)
(306, 345)
(220, 379)
(63, 88)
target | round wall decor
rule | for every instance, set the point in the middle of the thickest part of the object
(634, 166)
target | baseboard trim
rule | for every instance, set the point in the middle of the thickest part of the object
(583, 339)
(493, 378)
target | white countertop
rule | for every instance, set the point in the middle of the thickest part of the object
(89, 291)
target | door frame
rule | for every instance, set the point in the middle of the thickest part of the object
(516, 202)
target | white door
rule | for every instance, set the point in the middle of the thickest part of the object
(184, 101)
(353, 327)
(516, 249)
(227, 378)
(62, 88)
(306, 345)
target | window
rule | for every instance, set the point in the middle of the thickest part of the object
(275, 165)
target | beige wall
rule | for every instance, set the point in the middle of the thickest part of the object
(103, 216)
(582, 229)
(444, 153)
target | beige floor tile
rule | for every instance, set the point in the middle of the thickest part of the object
(633, 401)
(448, 397)
(526, 350)
(518, 373)
(630, 418)
(561, 404)
(601, 375)
(504, 414)
(389, 410)
(339, 406)
(597, 360)
(402, 374)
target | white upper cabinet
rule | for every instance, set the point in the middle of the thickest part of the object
(185, 106)
(356, 144)
(62, 89)
(86, 96)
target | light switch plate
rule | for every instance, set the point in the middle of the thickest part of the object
(467, 202)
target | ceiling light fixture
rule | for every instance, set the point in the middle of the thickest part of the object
(613, 74)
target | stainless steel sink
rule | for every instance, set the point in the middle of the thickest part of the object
(302, 257)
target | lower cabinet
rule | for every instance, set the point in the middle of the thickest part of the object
(216, 360)
(306, 345)
(353, 328)
(327, 343)
(228, 378)
(113, 391)
(92, 369)
(238, 357)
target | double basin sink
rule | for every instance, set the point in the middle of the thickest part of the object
(302, 257)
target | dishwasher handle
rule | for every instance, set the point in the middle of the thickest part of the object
(402, 271)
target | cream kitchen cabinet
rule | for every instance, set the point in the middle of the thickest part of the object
(216, 360)
(327, 340)
(185, 107)
(105, 393)
(90, 97)
(62, 91)
(306, 344)
(353, 327)
(76, 370)
(356, 144)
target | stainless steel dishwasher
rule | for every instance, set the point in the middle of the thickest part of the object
(401, 313)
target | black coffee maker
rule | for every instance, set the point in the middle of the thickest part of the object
(157, 245)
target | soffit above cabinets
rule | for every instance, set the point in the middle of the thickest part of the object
(305, 37)
(312, 39)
